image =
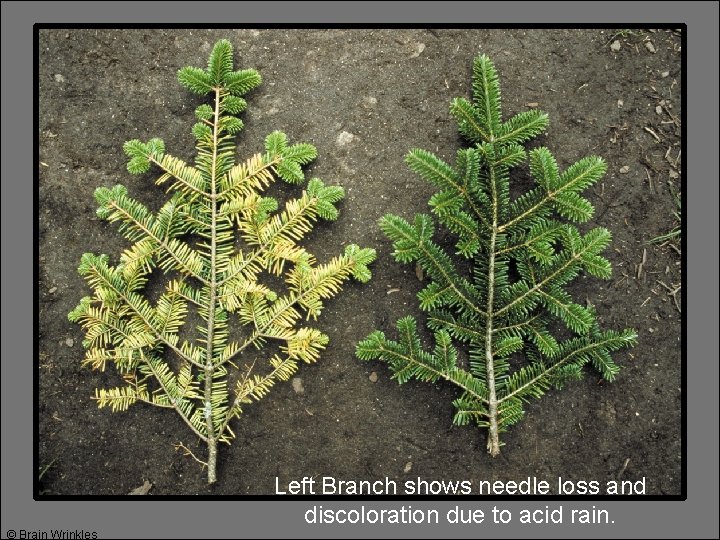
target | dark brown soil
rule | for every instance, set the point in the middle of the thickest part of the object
(390, 89)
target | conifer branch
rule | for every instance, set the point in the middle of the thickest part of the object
(424, 251)
(159, 379)
(141, 312)
(583, 179)
(285, 314)
(215, 201)
(523, 254)
(190, 268)
(570, 263)
(442, 175)
(175, 168)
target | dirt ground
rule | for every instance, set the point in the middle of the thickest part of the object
(364, 98)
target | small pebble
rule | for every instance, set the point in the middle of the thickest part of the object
(650, 47)
(52, 290)
(369, 101)
(408, 467)
(297, 385)
(373, 377)
(142, 490)
(344, 138)
(620, 103)
(658, 109)
(615, 46)
(665, 74)
(624, 169)
(69, 342)
(419, 48)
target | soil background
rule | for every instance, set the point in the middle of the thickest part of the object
(364, 98)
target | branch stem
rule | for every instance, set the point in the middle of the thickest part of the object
(493, 444)
(209, 366)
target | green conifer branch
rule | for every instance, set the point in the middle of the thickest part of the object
(217, 202)
(500, 313)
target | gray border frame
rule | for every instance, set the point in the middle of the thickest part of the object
(696, 517)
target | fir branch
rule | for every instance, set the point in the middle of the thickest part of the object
(498, 314)
(284, 314)
(214, 201)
